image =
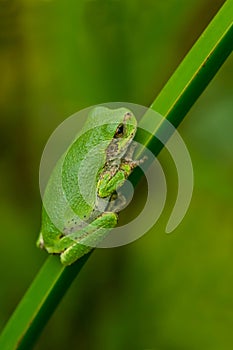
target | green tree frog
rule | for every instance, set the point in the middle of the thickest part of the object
(78, 208)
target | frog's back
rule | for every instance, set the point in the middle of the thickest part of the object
(71, 191)
(87, 156)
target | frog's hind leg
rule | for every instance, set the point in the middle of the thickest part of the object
(88, 238)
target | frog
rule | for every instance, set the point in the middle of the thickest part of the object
(79, 203)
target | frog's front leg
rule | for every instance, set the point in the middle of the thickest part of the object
(84, 240)
(130, 152)
(111, 178)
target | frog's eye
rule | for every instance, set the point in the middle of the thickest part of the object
(119, 131)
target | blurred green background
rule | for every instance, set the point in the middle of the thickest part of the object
(163, 291)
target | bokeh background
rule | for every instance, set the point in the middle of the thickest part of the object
(163, 291)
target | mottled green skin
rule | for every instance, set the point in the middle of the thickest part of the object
(103, 170)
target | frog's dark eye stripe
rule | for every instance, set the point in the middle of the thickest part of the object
(119, 131)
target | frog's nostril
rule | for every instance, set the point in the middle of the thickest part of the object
(128, 115)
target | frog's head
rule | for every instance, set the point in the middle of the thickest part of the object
(115, 127)
(125, 126)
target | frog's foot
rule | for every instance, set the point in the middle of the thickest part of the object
(133, 163)
(40, 241)
(88, 238)
(117, 202)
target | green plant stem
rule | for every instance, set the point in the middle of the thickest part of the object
(193, 74)
(39, 302)
(176, 98)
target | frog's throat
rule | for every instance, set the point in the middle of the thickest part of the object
(114, 152)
